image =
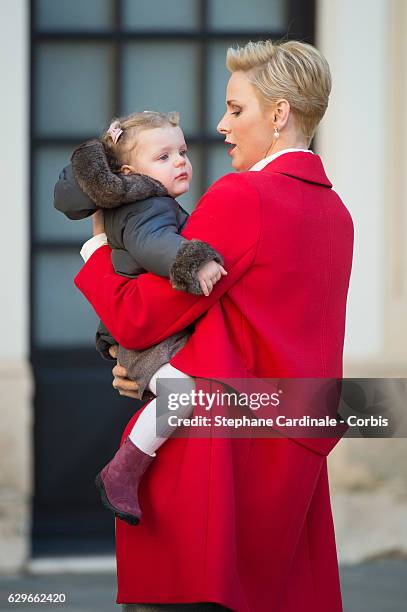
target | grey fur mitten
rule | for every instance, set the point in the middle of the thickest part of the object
(191, 255)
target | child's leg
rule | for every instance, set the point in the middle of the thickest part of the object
(119, 480)
(149, 433)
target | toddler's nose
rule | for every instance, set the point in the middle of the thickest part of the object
(180, 161)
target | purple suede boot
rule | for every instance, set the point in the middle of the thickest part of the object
(119, 480)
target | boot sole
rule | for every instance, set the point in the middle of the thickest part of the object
(124, 516)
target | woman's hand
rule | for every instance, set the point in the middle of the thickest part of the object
(98, 222)
(124, 385)
(209, 274)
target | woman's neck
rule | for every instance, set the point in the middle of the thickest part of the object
(292, 141)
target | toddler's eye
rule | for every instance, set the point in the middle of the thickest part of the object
(184, 152)
(164, 157)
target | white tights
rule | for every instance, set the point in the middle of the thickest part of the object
(144, 433)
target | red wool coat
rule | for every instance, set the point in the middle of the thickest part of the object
(243, 522)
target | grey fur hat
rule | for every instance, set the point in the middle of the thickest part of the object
(107, 189)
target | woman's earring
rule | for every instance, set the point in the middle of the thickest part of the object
(276, 133)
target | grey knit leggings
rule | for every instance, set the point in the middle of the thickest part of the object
(198, 607)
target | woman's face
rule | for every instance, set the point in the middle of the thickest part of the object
(245, 125)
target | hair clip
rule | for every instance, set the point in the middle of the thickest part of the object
(115, 132)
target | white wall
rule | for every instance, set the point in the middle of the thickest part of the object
(14, 169)
(352, 142)
(15, 376)
(362, 142)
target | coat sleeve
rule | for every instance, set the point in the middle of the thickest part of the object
(152, 238)
(151, 235)
(69, 197)
(143, 311)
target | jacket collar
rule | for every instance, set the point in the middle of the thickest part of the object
(300, 165)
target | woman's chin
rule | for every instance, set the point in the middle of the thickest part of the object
(238, 165)
(235, 164)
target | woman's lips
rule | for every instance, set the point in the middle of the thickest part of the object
(232, 147)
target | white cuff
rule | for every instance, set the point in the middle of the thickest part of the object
(92, 245)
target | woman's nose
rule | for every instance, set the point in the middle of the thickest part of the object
(222, 127)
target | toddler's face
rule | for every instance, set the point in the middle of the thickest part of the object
(162, 154)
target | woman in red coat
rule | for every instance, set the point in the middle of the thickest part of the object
(244, 523)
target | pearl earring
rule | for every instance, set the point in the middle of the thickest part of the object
(276, 133)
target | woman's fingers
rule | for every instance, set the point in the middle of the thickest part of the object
(126, 387)
(119, 371)
(128, 394)
(122, 388)
(113, 351)
(124, 384)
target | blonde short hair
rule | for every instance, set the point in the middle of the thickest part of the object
(118, 149)
(292, 70)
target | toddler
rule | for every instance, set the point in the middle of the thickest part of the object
(134, 173)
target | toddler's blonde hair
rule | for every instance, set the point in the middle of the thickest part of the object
(292, 70)
(118, 152)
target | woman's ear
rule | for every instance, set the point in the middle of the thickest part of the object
(127, 170)
(281, 112)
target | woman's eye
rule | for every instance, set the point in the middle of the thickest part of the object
(236, 113)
